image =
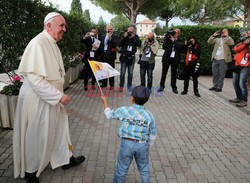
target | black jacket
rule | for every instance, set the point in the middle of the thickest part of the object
(88, 41)
(168, 46)
(195, 49)
(110, 54)
(125, 42)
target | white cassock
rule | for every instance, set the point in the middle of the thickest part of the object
(41, 130)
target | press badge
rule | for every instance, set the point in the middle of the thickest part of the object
(148, 55)
(129, 48)
(218, 52)
(243, 61)
(105, 47)
(172, 54)
(92, 54)
(190, 57)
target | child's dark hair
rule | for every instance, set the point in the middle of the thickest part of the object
(141, 94)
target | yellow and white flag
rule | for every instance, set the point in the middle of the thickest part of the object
(102, 70)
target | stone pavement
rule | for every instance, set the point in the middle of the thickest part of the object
(199, 139)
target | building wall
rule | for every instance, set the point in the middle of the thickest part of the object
(144, 29)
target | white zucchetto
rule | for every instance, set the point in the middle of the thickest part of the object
(51, 15)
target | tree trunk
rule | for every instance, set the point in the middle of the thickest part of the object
(166, 23)
(133, 16)
(248, 9)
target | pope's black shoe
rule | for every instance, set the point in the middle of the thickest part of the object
(74, 162)
(31, 177)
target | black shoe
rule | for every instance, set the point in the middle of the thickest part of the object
(218, 90)
(31, 177)
(213, 88)
(74, 162)
(111, 88)
(160, 89)
(120, 88)
(197, 95)
(85, 88)
(175, 91)
(103, 85)
(184, 93)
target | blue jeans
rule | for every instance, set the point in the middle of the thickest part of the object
(146, 67)
(130, 67)
(240, 83)
(128, 150)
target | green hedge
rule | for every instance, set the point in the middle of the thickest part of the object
(21, 20)
(202, 33)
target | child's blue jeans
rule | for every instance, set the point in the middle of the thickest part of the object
(128, 150)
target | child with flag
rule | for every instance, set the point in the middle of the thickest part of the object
(137, 131)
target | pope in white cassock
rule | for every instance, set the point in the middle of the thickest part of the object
(41, 130)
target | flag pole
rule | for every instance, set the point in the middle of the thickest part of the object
(96, 79)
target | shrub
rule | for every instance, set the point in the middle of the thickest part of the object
(202, 33)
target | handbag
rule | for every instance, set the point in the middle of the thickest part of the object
(128, 59)
(139, 61)
(235, 68)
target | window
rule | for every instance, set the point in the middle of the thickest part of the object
(141, 25)
(146, 25)
(140, 30)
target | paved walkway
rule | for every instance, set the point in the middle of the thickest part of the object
(199, 139)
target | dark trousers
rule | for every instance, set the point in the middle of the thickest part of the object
(145, 67)
(165, 66)
(189, 71)
(89, 74)
(130, 67)
(111, 80)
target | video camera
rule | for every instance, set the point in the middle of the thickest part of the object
(243, 38)
(189, 43)
(170, 32)
(150, 40)
(219, 33)
(129, 33)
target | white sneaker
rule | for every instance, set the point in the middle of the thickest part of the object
(241, 104)
(235, 100)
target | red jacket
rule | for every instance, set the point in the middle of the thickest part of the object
(242, 52)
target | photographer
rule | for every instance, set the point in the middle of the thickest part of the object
(192, 65)
(147, 61)
(92, 43)
(220, 57)
(128, 44)
(242, 60)
(108, 50)
(171, 57)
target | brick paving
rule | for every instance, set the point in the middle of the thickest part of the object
(199, 139)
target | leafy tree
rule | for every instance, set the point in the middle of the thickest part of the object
(246, 5)
(159, 30)
(76, 7)
(163, 9)
(120, 23)
(87, 15)
(101, 25)
(129, 8)
(205, 11)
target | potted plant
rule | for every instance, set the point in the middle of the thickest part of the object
(8, 100)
